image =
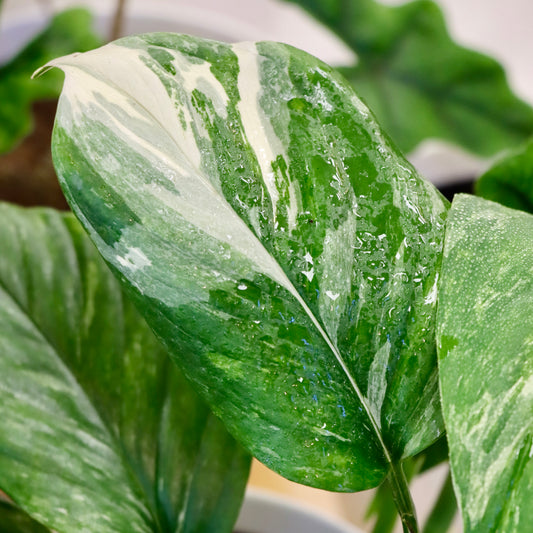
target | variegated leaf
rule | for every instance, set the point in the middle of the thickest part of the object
(99, 431)
(281, 248)
(510, 180)
(485, 339)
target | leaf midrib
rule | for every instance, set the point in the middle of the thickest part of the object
(290, 286)
(316, 322)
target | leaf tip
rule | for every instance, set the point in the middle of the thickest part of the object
(55, 63)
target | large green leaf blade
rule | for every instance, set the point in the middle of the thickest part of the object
(418, 82)
(68, 32)
(284, 252)
(99, 431)
(486, 362)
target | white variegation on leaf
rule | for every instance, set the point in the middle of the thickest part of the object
(99, 430)
(485, 341)
(273, 238)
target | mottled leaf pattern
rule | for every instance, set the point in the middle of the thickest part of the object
(418, 82)
(284, 252)
(99, 431)
(485, 340)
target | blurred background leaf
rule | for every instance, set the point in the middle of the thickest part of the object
(99, 431)
(14, 520)
(27, 110)
(510, 180)
(418, 82)
(69, 31)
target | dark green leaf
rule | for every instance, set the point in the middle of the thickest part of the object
(272, 237)
(435, 455)
(510, 181)
(13, 520)
(418, 82)
(99, 432)
(68, 32)
(485, 343)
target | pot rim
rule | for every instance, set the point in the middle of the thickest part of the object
(266, 508)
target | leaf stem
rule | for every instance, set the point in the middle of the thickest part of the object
(402, 498)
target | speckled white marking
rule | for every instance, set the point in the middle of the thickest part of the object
(487, 466)
(309, 274)
(332, 295)
(198, 76)
(337, 263)
(326, 433)
(431, 297)
(134, 259)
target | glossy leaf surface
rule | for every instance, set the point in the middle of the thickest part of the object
(69, 31)
(510, 180)
(99, 431)
(284, 252)
(485, 339)
(418, 82)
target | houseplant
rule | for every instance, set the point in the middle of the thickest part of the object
(132, 260)
(318, 285)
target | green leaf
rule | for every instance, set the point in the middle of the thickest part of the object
(418, 82)
(284, 252)
(510, 180)
(485, 342)
(99, 432)
(69, 31)
(13, 520)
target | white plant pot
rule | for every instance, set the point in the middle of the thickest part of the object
(266, 512)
